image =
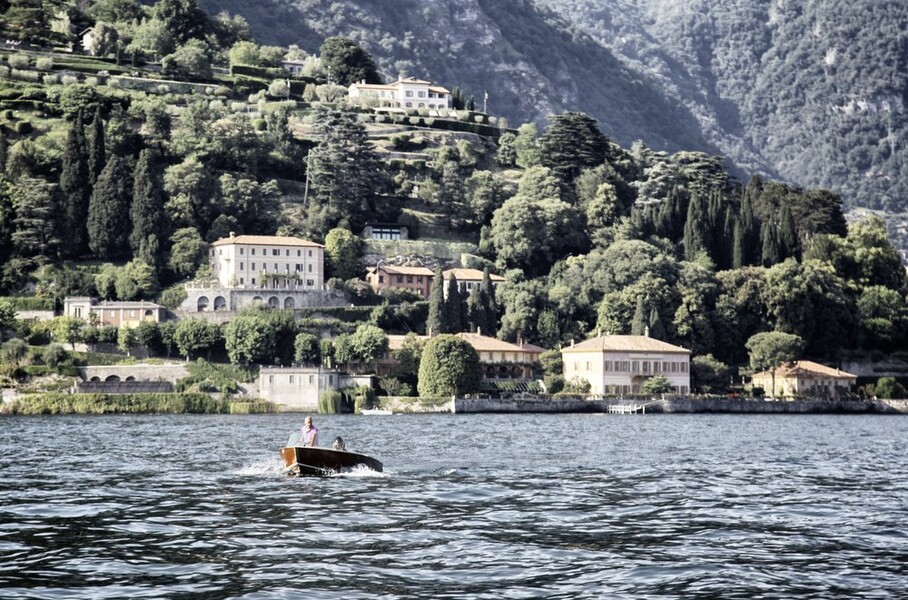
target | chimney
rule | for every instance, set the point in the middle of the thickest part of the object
(646, 331)
(232, 234)
(478, 330)
(599, 332)
(572, 342)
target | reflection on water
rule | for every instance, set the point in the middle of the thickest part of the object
(517, 506)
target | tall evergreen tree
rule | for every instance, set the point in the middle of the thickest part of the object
(696, 228)
(738, 256)
(435, 323)
(455, 307)
(108, 210)
(490, 324)
(726, 243)
(475, 310)
(572, 143)
(750, 229)
(97, 152)
(75, 186)
(770, 238)
(147, 212)
(4, 149)
(788, 237)
(639, 322)
(656, 328)
(35, 224)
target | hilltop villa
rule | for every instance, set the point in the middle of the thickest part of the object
(116, 313)
(467, 279)
(619, 364)
(406, 92)
(416, 279)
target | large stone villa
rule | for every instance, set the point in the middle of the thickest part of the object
(620, 364)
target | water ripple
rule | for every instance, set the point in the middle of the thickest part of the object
(523, 506)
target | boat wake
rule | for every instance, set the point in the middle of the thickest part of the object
(362, 472)
(268, 467)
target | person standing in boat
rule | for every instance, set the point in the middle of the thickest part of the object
(309, 435)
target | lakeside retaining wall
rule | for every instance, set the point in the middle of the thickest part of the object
(680, 404)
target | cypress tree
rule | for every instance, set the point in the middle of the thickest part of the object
(108, 210)
(788, 237)
(490, 325)
(475, 310)
(454, 308)
(656, 329)
(639, 322)
(749, 230)
(435, 320)
(695, 229)
(726, 243)
(97, 154)
(3, 151)
(147, 210)
(75, 186)
(770, 254)
(738, 256)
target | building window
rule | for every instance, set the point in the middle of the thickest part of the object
(241, 266)
(252, 252)
(288, 252)
(635, 366)
(587, 366)
(408, 94)
(607, 366)
(291, 379)
(310, 282)
(252, 266)
(409, 279)
(310, 253)
(241, 251)
(112, 313)
(275, 252)
(299, 252)
(241, 281)
(409, 105)
(310, 268)
(271, 379)
(419, 279)
(299, 267)
(421, 94)
(381, 278)
(253, 281)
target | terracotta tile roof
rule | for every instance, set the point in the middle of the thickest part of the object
(123, 304)
(396, 342)
(266, 240)
(439, 89)
(470, 275)
(400, 270)
(625, 343)
(485, 343)
(807, 368)
(413, 80)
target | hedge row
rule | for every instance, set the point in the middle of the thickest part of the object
(29, 302)
(349, 314)
(99, 404)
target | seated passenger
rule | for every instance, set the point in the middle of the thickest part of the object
(338, 444)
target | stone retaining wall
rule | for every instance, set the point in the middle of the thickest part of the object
(168, 372)
(680, 404)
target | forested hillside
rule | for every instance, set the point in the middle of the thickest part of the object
(810, 92)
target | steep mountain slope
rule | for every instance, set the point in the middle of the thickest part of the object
(813, 92)
(528, 59)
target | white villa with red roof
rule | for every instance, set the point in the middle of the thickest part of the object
(406, 92)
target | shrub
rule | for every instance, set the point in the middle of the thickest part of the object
(45, 63)
(18, 61)
(32, 76)
(889, 387)
(23, 127)
(50, 79)
(54, 355)
(72, 80)
(59, 404)
(4, 71)
(330, 402)
(414, 121)
(259, 124)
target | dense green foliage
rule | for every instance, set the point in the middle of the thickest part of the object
(448, 366)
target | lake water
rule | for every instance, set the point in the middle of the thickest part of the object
(470, 506)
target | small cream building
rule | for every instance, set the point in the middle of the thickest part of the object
(804, 378)
(620, 364)
(467, 279)
(299, 388)
(116, 313)
(268, 261)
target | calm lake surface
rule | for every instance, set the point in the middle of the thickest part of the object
(470, 506)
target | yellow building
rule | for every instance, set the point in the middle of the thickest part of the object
(620, 364)
(804, 378)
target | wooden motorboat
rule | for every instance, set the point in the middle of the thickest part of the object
(314, 461)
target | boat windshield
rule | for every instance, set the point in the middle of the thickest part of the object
(294, 438)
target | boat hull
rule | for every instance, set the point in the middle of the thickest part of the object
(320, 462)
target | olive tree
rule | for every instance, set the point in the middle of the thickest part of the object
(449, 365)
